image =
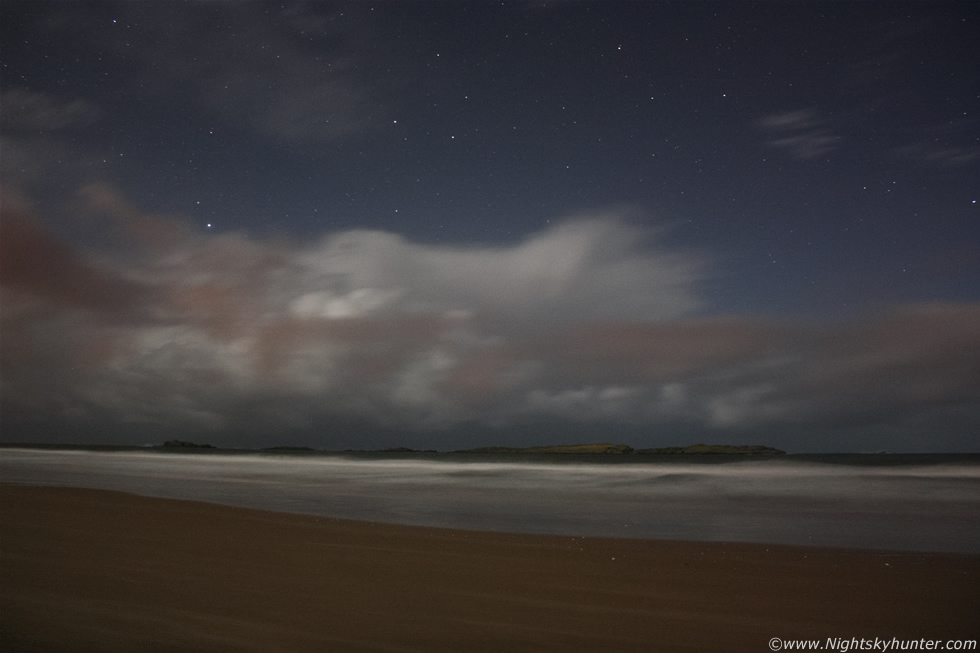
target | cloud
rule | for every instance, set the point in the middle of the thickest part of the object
(135, 227)
(583, 269)
(24, 110)
(950, 145)
(242, 62)
(592, 321)
(37, 137)
(34, 263)
(176, 325)
(896, 363)
(801, 133)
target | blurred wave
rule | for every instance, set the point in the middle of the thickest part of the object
(928, 507)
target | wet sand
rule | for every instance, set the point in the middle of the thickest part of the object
(92, 570)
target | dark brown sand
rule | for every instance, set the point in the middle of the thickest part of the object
(90, 570)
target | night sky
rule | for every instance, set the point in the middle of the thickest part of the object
(454, 224)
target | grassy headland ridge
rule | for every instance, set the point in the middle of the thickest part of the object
(600, 447)
(752, 449)
(589, 448)
(608, 448)
(182, 444)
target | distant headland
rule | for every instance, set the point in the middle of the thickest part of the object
(592, 448)
(600, 447)
(727, 449)
(608, 448)
(572, 449)
(181, 444)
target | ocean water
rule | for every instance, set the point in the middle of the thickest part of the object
(924, 503)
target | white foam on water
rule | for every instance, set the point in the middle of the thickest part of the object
(918, 507)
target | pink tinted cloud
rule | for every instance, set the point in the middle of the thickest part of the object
(34, 262)
(652, 351)
(912, 355)
(134, 226)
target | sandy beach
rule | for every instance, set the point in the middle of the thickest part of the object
(92, 570)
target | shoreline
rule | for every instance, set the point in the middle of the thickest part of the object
(84, 569)
(882, 507)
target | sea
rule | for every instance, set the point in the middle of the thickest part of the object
(888, 502)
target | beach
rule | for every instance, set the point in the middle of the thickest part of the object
(95, 570)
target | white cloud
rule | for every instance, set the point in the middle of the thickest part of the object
(356, 303)
(583, 269)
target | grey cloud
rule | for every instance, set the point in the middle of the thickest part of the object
(790, 120)
(23, 110)
(887, 370)
(950, 145)
(950, 156)
(34, 131)
(252, 66)
(896, 363)
(802, 133)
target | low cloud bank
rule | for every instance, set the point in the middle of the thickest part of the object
(592, 321)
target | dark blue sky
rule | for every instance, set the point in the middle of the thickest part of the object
(404, 195)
